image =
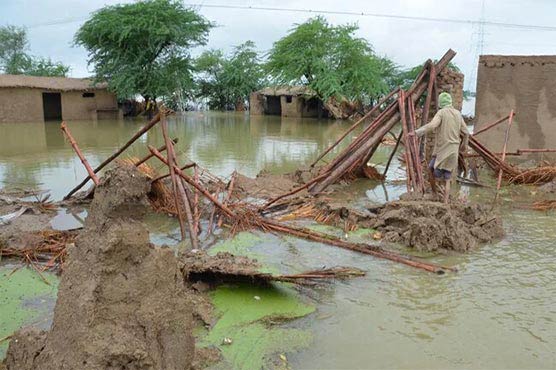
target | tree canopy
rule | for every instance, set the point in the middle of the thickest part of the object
(144, 47)
(331, 60)
(14, 58)
(227, 81)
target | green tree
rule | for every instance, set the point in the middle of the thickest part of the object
(144, 47)
(210, 82)
(13, 47)
(46, 67)
(15, 60)
(226, 82)
(331, 60)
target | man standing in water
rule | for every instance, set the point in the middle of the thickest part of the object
(448, 125)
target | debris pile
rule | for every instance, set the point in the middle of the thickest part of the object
(354, 158)
(432, 226)
(121, 302)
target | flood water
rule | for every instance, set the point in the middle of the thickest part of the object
(498, 311)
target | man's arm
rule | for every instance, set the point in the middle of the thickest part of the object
(431, 126)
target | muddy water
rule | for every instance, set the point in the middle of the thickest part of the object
(499, 311)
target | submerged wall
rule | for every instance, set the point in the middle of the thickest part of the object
(26, 105)
(526, 84)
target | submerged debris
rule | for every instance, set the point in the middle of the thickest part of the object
(225, 267)
(43, 250)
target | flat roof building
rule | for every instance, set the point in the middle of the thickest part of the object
(31, 98)
(287, 101)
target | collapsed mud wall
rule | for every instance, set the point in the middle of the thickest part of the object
(121, 302)
(526, 84)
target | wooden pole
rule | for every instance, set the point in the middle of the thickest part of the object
(189, 165)
(519, 151)
(73, 143)
(149, 156)
(176, 191)
(491, 125)
(196, 212)
(428, 100)
(137, 135)
(392, 154)
(506, 137)
(356, 124)
(180, 187)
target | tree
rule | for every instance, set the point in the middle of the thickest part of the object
(13, 46)
(144, 47)
(227, 81)
(15, 60)
(46, 67)
(330, 60)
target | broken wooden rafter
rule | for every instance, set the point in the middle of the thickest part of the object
(73, 143)
(134, 138)
(150, 155)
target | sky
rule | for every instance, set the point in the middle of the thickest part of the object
(52, 23)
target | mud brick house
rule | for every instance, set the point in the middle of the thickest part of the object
(526, 84)
(31, 99)
(287, 101)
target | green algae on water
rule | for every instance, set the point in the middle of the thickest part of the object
(24, 298)
(239, 245)
(247, 317)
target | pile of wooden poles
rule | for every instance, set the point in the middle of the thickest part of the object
(496, 161)
(356, 155)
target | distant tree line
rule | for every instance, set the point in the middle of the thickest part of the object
(145, 48)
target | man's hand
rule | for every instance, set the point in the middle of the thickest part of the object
(411, 133)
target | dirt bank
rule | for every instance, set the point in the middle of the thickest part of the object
(431, 226)
(121, 301)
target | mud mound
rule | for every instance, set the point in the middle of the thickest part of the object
(430, 226)
(121, 193)
(121, 302)
(266, 185)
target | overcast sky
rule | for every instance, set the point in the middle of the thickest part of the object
(52, 24)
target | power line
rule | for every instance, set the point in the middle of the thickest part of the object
(480, 22)
(378, 15)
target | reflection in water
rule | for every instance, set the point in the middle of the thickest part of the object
(499, 311)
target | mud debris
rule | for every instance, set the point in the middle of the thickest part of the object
(132, 309)
(432, 226)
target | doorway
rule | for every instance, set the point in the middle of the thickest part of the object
(273, 105)
(52, 106)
